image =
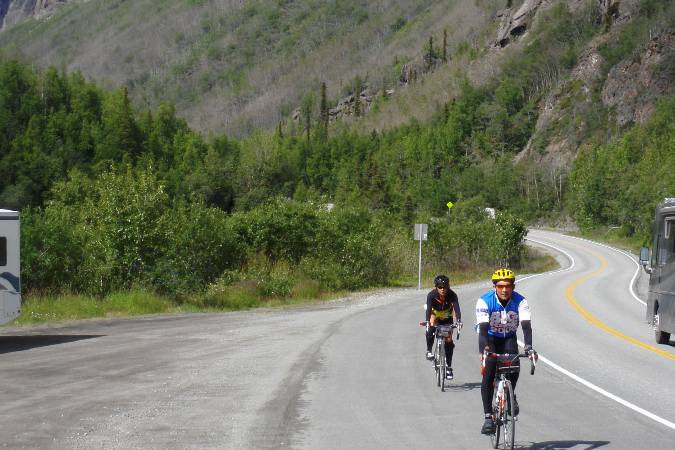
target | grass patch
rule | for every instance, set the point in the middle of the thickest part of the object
(49, 308)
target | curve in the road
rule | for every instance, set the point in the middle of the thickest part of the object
(593, 320)
(569, 295)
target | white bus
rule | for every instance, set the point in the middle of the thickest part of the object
(10, 266)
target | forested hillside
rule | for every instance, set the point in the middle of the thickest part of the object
(115, 197)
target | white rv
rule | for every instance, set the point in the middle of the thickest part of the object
(661, 270)
(10, 272)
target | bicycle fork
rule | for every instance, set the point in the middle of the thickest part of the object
(499, 401)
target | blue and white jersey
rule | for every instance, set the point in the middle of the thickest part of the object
(502, 320)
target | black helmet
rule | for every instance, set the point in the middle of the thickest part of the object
(441, 281)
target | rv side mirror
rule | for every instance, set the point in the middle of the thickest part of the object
(644, 259)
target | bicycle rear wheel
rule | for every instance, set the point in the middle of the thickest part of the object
(509, 416)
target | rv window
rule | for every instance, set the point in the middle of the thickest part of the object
(3, 251)
(668, 226)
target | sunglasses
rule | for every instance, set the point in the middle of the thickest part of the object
(441, 287)
(504, 286)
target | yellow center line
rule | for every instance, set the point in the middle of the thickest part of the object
(569, 295)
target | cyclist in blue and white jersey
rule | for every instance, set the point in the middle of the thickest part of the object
(498, 314)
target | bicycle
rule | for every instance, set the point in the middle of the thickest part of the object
(440, 364)
(503, 398)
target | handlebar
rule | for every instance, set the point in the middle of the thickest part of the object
(533, 357)
(458, 326)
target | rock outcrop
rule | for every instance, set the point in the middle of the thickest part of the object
(347, 106)
(633, 86)
(630, 89)
(514, 25)
(16, 11)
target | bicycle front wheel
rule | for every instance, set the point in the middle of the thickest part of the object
(443, 366)
(509, 416)
(437, 363)
(497, 414)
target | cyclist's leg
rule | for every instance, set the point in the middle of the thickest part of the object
(449, 344)
(449, 349)
(487, 384)
(431, 330)
(430, 337)
(511, 346)
(487, 388)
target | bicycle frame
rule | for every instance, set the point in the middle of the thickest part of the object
(440, 364)
(503, 397)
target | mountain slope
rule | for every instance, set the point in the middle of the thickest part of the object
(232, 66)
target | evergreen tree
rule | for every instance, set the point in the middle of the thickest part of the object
(280, 131)
(357, 97)
(429, 53)
(120, 138)
(307, 109)
(323, 112)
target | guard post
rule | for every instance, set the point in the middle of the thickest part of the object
(420, 235)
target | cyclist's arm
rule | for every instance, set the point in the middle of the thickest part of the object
(482, 337)
(524, 315)
(482, 319)
(430, 301)
(455, 307)
(527, 331)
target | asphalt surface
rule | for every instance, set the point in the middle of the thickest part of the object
(347, 374)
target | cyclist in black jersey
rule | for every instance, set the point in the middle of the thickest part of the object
(442, 305)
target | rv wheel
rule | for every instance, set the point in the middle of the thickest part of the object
(661, 336)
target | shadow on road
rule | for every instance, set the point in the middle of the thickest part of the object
(10, 344)
(560, 445)
(462, 387)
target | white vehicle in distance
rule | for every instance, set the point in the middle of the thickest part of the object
(10, 266)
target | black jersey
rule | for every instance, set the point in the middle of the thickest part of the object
(443, 310)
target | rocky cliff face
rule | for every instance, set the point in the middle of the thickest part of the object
(633, 86)
(628, 92)
(16, 11)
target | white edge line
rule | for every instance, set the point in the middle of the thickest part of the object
(629, 256)
(601, 391)
(571, 258)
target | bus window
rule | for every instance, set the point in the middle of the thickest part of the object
(3, 251)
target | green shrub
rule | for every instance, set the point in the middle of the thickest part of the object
(280, 229)
(199, 245)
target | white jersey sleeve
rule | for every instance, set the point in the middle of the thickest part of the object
(523, 310)
(482, 311)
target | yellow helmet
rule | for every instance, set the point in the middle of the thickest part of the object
(504, 274)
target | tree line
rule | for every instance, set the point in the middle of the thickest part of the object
(115, 198)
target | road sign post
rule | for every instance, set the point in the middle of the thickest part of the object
(420, 234)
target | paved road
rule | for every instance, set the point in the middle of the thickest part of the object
(347, 374)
